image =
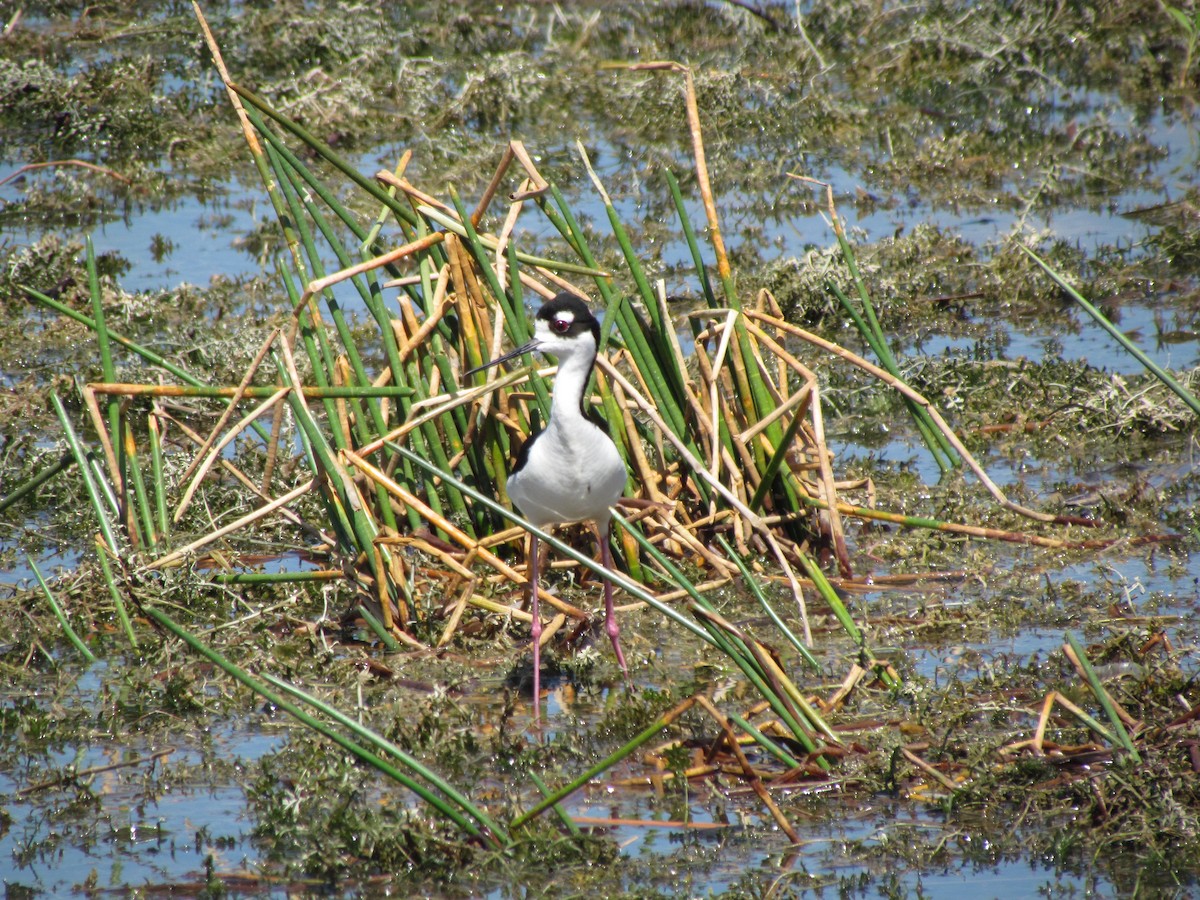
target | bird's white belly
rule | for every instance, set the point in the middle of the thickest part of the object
(568, 481)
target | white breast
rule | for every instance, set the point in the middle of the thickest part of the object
(568, 478)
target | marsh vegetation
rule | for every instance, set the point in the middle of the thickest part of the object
(1000, 615)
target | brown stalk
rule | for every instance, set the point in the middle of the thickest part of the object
(248, 519)
(748, 514)
(30, 167)
(827, 483)
(849, 683)
(397, 181)
(318, 285)
(895, 383)
(215, 450)
(506, 229)
(526, 161)
(272, 448)
(242, 477)
(437, 311)
(489, 192)
(93, 407)
(460, 606)
(227, 414)
(456, 534)
(748, 772)
(929, 770)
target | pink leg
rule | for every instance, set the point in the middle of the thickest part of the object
(610, 614)
(535, 629)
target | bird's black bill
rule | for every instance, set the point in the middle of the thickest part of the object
(520, 351)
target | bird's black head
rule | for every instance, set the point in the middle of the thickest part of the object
(568, 317)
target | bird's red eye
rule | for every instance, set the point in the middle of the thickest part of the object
(560, 326)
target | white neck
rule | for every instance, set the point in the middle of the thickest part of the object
(574, 369)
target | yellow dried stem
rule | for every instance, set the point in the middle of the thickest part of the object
(456, 534)
(229, 409)
(243, 522)
(895, 383)
(215, 450)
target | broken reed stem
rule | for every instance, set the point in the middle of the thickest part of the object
(456, 534)
(227, 413)
(256, 392)
(895, 383)
(250, 518)
(748, 514)
(215, 450)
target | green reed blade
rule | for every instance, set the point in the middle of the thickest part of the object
(115, 593)
(401, 209)
(567, 821)
(276, 699)
(148, 355)
(939, 447)
(1129, 346)
(161, 517)
(381, 743)
(29, 487)
(308, 575)
(1102, 695)
(60, 615)
(89, 481)
(603, 766)
(751, 582)
(830, 596)
(376, 626)
(298, 205)
(140, 495)
(778, 458)
(106, 360)
(314, 184)
(318, 351)
(765, 742)
(734, 646)
(632, 330)
(689, 234)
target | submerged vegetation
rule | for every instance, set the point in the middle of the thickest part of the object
(315, 610)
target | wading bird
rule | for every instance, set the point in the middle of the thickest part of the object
(570, 471)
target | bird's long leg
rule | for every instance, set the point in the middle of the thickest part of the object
(536, 628)
(603, 534)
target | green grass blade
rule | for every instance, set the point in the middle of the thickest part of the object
(689, 234)
(765, 742)
(756, 589)
(382, 744)
(1130, 347)
(115, 593)
(830, 596)
(106, 361)
(60, 615)
(24, 490)
(89, 479)
(603, 766)
(399, 208)
(1122, 736)
(161, 516)
(376, 626)
(141, 497)
(254, 684)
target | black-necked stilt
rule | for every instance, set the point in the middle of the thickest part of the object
(570, 471)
